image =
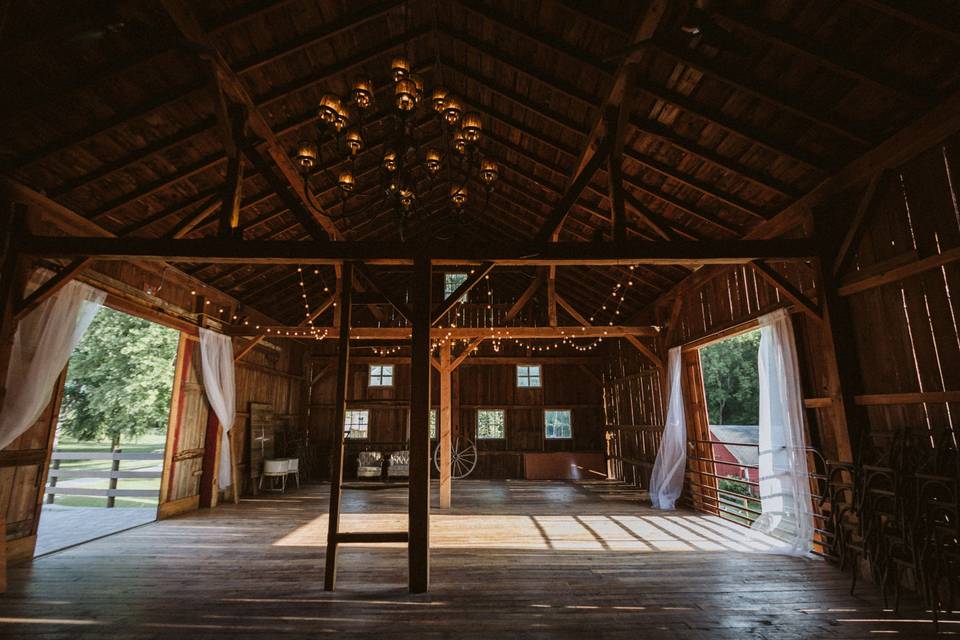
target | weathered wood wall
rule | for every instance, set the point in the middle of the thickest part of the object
(474, 386)
(902, 291)
(270, 375)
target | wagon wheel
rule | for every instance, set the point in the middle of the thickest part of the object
(463, 458)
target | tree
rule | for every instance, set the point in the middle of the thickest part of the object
(730, 379)
(119, 380)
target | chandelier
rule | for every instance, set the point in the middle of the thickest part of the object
(407, 163)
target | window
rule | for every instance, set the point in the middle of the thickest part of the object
(433, 424)
(528, 375)
(381, 375)
(452, 282)
(490, 424)
(355, 424)
(557, 425)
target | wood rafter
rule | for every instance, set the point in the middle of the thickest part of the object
(927, 130)
(232, 85)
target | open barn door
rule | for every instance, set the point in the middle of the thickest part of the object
(180, 489)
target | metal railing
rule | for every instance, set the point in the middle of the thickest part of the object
(114, 474)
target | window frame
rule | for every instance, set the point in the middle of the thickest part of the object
(528, 377)
(446, 294)
(503, 436)
(380, 378)
(569, 412)
(366, 433)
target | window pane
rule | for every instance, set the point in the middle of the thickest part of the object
(451, 282)
(490, 424)
(381, 375)
(557, 424)
(355, 423)
(528, 375)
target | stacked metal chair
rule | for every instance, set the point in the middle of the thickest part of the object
(897, 508)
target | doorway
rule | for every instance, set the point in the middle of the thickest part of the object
(108, 452)
(730, 378)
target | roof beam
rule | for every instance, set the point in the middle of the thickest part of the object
(453, 333)
(600, 140)
(837, 61)
(929, 129)
(790, 104)
(621, 77)
(455, 252)
(186, 21)
(69, 221)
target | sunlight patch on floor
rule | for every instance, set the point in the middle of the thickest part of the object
(630, 533)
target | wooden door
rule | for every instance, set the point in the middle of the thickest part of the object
(180, 489)
(701, 469)
(23, 474)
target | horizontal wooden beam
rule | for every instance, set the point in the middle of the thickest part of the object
(228, 250)
(918, 397)
(450, 333)
(857, 285)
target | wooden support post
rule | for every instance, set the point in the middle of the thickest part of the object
(552, 295)
(339, 414)
(842, 363)
(419, 499)
(446, 372)
(12, 224)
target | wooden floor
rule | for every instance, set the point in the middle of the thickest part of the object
(62, 527)
(512, 559)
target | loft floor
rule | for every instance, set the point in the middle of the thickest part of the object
(511, 559)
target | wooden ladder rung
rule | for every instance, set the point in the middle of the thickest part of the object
(373, 537)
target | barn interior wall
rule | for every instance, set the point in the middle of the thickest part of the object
(474, 386)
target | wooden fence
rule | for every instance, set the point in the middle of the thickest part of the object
(114, 474)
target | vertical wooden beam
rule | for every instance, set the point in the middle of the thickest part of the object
(12, 223)
(552, 295)
(419, 500)
(443, 425)
(339, 414)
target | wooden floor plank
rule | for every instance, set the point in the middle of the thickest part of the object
(510, 559)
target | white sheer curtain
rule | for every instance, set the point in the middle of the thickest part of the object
(784, 484)
(42, 345)
(666, 480)
(216, 354)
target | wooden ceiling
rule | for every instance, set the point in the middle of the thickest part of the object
(114, 114)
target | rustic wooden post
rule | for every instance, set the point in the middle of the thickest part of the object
(445, 425)
(419, 497)
(340, 409)
(114, 468)
(52, 481)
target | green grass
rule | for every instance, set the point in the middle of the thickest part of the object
(148, 443)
